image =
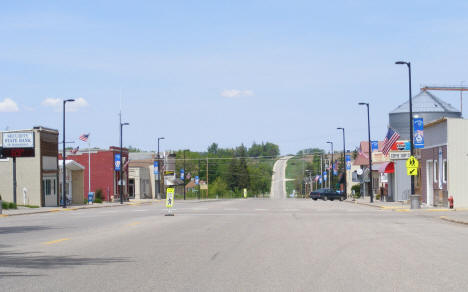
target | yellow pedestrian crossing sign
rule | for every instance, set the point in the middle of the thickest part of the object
(170, 198)
(412, 171)
(412, 165)
(412, 162)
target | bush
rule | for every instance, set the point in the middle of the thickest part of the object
(12, 205)
(98, 201)
(357, 190)
(5, 205)
(98, 195)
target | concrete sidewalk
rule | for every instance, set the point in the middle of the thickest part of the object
(379, 204)
(25, 210)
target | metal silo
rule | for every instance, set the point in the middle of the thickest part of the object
(426, 106)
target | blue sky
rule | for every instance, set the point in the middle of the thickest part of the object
(230, 72)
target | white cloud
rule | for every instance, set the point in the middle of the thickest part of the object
(56, 104)
(236, 93)
(8, 105)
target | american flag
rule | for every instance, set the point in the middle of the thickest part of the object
(75, 150)
(84, 137)
(390, 139)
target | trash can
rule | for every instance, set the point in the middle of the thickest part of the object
(90, 198)
(415, 201)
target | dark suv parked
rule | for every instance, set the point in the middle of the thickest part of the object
(327, 194)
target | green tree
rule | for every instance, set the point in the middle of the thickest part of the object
(218, 187)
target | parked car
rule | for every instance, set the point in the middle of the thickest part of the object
(327, 194)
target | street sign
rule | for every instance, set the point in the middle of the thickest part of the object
(170, 198)
(412, 165)
(156, 168)
(418, 133)
(117, 161)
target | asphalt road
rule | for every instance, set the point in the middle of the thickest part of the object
(278, 182)
(233, 245)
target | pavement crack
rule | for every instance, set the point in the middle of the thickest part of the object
(213, 257)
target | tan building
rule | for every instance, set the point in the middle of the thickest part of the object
(74, 181)
(141, 179)
(37, 177)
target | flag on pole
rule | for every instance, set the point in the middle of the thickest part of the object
(390, 139)
(84, 137)
(75, 150)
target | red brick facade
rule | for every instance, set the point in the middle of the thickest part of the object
(103, 175)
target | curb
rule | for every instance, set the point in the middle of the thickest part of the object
(77, 208)
(453, 220)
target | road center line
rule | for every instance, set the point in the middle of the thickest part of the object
(56, 241)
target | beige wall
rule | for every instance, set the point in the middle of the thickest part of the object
(457, 161)
(77, 187)
(28, 175)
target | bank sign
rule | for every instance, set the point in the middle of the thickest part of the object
(18, 140)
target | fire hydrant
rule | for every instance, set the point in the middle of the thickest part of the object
(450, 199)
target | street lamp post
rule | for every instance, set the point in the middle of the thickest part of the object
(331, 165)
(121, 160)
(410, 116)
(184, 172)
(159, 171)
(344, 161)
(371, 192)
(64, 170)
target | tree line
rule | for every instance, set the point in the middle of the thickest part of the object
(230, 170)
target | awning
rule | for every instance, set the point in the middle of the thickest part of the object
(387, 167)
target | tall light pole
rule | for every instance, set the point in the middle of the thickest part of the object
(184, 171)
(344, 161)
(331, 168)
(408, 64)
(64, 169)
(121, 160)
(159, 171)
(371, 192)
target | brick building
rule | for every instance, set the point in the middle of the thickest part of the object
(103, 173)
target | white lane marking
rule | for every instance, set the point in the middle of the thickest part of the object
(261, 209)
(231, 209)
(291, 209)
(199, 209)
(140, 210)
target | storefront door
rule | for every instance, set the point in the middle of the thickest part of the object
(49, 187)
(430, 183)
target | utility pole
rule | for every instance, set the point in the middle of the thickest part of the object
(371, 191)
(121, 159)
(344, 162)
(184, 174)
(159, 171)
(64, 169)
(207, 177)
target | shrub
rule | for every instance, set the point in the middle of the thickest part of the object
(98, 195)
(12, 205)
(357, 190)
(98, 200)
(5, 205)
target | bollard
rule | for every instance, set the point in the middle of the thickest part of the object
(415, 201)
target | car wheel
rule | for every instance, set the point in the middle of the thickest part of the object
(315, 199)
(331, 199)
(325, 198)
(341, 198)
